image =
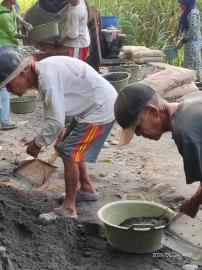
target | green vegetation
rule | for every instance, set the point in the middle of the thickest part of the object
(145, 22)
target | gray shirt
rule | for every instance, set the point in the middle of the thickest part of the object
(186, 128)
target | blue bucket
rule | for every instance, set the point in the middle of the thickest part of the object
(171, 52)
(108, 21)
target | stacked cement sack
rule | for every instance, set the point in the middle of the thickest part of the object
(141, 54)
(172, 83)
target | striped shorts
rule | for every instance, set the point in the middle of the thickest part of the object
(84, 142)
(79, 53)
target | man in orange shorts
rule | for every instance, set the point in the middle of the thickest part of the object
(68, 87)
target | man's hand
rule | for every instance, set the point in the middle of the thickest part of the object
(190, 207)
(32, 148)
(179, 44)
(27, 26)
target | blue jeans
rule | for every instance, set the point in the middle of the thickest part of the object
(4, 107)
(4, 95)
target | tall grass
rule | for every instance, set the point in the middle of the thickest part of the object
(145, 22)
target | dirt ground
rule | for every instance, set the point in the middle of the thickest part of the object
(153, 169)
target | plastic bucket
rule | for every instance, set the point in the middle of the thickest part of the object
(170, 52)
(36, 15)
(23, 104)
(52, 6)
(118, 79)
(44, 12)
(135, 240)
(47, 31)
(134, 71)
(108, 22)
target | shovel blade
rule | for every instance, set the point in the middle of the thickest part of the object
(184, 235)
(35, 171)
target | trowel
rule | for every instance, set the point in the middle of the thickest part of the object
(184, 235)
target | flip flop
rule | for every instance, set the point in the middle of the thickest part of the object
(55, 214)
(9, 126)
(65, 214)
(82, 196)
(50, 216)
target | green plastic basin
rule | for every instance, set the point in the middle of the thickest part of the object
(118, 79)
(132, 69)
(24, 104)
(47, 31)
(134, 240)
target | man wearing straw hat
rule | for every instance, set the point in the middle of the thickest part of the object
(141, 111)
(68, 87)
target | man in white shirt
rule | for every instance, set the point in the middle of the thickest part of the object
(77, 40)
(68, 87)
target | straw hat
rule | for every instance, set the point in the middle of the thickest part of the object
(11, 64)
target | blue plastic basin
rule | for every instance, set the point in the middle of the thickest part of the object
(170, 52)
(108, 21)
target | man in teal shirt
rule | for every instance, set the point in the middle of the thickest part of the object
(9, 19)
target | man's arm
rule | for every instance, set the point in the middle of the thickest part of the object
(52, 49)
(26, 25)
(192, 153)
(12, 31)
(192, 159)
(191, 206)
(54, 116)
(21, 36)
(72, 28)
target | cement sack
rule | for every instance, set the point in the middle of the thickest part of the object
(170, 78)
(134, 48)
(148, 54)
(180, 91)
(142, 60)
(129, 51)
(126, 55)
